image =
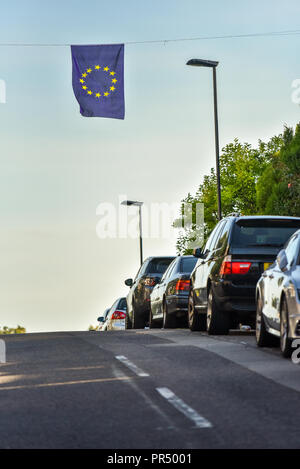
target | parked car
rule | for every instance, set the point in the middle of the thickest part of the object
(102, 319)
(278, 300)
(138, 298)
(115, 317)
(169, 298)
(223, 283)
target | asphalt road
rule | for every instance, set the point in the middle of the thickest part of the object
(146, 389)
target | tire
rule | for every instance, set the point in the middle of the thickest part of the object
(263, 338)
(196, 322)
(285, 342)
(169, 320)
(128, 323)
(218, 323)
(137, 321)
(153, 324)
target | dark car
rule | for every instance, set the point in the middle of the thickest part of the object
(223, 283)
(169, 298)
(278, 300)
(138, 298)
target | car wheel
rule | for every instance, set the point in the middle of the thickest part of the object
(153, 324)
(169, 320)
(285, 341)
(128, 323)
(263, 338)
(137, 321)
(218, 323)
(196, 322)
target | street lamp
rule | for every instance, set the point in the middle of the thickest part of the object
(213, 65)
(137, 204)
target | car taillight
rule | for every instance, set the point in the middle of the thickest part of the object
(118, 315)
(183, 285)
(234, 268)
(150, 281)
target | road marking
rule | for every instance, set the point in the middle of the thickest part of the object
(131, 366)
(66, 383)
(185, 409)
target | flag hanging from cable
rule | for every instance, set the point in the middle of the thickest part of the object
(98, 80)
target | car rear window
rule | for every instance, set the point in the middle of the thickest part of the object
(159, 266)
(263, 232)
(122, 304)
(188, 264)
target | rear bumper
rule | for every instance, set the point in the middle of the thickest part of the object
(238, 299)
(177, 303)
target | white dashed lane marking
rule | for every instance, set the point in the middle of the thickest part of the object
(179, 404)
(131, 366)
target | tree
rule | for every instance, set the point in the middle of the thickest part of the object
(278, 188)
(10, 330)
(241, 167)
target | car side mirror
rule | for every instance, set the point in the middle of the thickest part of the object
(100, 319)
(129, 282)
(198, 253)
(282, 260)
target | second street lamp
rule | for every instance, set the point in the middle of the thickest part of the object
(213, 65)
(137, 204)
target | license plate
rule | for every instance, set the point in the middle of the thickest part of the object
(267, 265)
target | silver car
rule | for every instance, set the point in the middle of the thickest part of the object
(278, 299)
(115, 317)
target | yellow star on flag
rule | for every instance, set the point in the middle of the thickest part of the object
(84, 75)
(114, 80)
(90, 92)
(106, 69)
(112, 88)
(112, 73)
(98, 95)
(97, 67)
(89, 70)
(106, 93)
(84, 87)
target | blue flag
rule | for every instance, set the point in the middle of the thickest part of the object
(98, 80)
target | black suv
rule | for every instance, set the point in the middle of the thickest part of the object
(239, 249)
(138, 298)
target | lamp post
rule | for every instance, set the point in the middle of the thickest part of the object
(137, 204)
(213, 65)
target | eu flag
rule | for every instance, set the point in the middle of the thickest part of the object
(98, 80)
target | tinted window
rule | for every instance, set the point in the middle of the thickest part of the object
(159, 266)
(292, 250)
(188, 264)
(122, 304)
(263, 232)
(211, 239)
(142, 269)
(169, 270)
(223, 239)
(214, 244)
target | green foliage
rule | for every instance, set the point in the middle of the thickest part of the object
(10, 330)
(263, 180)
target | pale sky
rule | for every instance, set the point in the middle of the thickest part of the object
(57, 166)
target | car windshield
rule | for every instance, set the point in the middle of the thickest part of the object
(188, 264)
(263, 232)
(122, 304)
(159, 266)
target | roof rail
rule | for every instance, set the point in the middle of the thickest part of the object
(234, 214)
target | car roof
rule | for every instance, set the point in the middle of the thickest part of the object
(262, 217)
(159, 257)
